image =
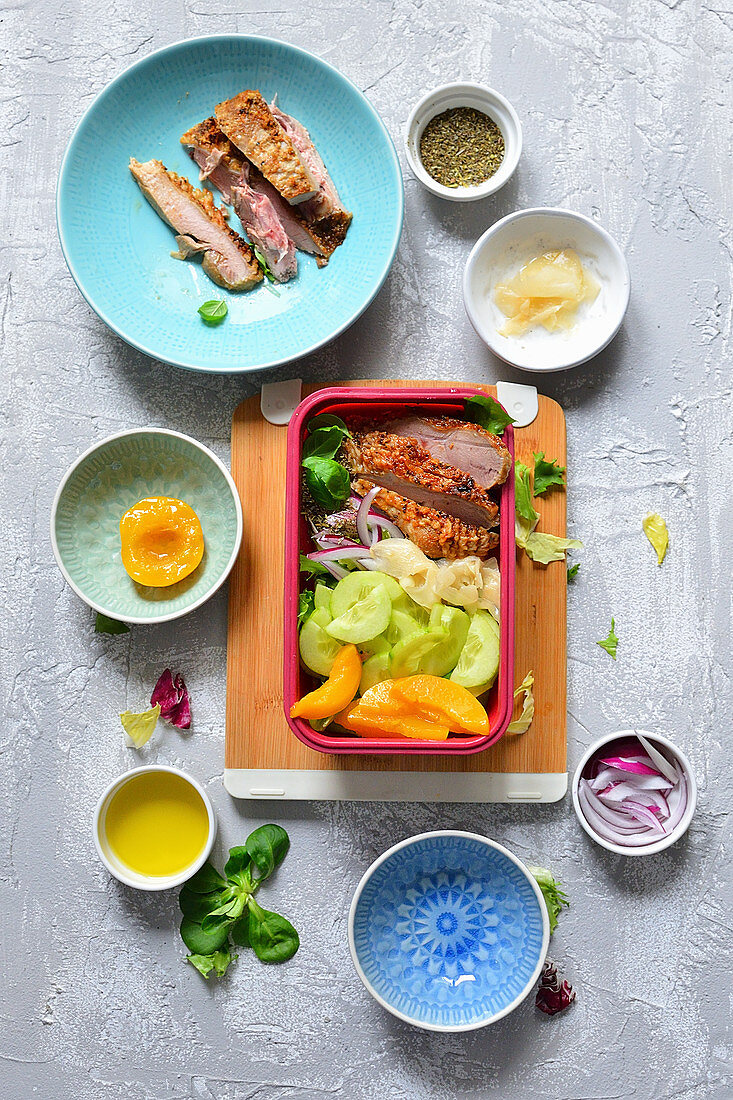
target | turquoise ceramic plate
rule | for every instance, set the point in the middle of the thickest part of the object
(107, 480)
(448, 931)
(118, 249)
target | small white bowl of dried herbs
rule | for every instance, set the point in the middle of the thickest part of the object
(463, 141)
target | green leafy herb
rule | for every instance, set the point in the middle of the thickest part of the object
(328, 481)
(655, 530)
(266, 271)
(214, 311)
(611, 642)
(546, 474)
(573, 572)
(327, 420)
(218, 962)
(324, 442)
(104, 625)
(218, 907)
(488, 413)
(306, 606)
(555, 899)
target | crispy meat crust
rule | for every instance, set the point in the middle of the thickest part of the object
(437, 534)
(376, 455)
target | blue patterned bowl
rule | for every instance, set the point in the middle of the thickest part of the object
(118, 249)
(448, 931)
(107, 480)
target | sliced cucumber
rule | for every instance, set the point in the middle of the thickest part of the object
(408, 654)
(365, 619)
(478, 663)
(375, 645)
(354, 588)
(317, 648)
(374, 670)
(322, 597)
(454, 623)
(402, 624)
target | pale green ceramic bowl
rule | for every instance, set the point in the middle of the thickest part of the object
(107, 480)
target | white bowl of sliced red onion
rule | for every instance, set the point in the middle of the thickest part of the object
(634, 793)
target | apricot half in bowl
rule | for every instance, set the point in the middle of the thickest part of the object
(162, 541)
(178, 553)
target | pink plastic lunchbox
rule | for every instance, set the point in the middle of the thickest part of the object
(389, 404)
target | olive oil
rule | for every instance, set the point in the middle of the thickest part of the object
(157, 824)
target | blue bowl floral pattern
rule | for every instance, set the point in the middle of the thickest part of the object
(449, 932)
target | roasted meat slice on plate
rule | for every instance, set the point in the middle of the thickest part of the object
(459, 443)
(249, 123)
(226, 167)
(438, 535)
(199, 225)
(404, 466)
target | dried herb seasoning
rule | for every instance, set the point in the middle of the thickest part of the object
(461, 147)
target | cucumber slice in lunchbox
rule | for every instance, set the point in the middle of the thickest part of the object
(322, 597)
(455, 625)
(317, 648)
(354, 588)
(478, 663)
(402, 624)
(373, 646)
(363, 620)
(374, 670)
(408, 654)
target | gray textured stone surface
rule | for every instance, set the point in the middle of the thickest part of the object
(627, 113)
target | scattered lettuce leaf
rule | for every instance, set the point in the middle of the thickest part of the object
(305, 606)
(545, 548)
(139, 727)
(611, 642)
(218, 962)
(523, 495)
(104, 625)
(573, 572)
(546, 474)
(524, 721)
(553, 994)
(488, 413)
(555, 899)
(172, 695)
(655, 530)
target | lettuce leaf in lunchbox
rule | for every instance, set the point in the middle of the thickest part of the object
(139, 727)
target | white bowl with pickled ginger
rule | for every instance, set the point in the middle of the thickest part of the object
(546, 289)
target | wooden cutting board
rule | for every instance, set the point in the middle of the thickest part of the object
(257, 735)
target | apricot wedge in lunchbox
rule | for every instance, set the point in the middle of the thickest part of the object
(425, 698)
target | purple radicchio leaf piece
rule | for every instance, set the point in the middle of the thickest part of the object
(553, 995)
(172, 695)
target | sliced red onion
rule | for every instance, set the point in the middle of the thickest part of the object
(619, 791)
(659, 759)
(632, 764)
(362, 513)
(608, 832)
(645, 816)
(385, 524)
(617, 819)
(640, 782)
(340, 554)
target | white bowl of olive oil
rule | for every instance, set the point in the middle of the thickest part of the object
(463, 141)
(521, 301)
(154, 827)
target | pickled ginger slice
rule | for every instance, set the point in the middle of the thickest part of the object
(547, 291)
